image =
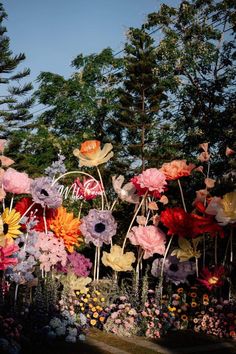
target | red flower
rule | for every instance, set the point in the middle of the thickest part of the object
(177, 221)
(213, 278)
(206, 224)
(36, 211)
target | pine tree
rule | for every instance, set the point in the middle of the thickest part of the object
(14, 105)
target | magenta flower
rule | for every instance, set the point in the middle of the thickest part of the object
(16, 182)
(152, 181)
(88, 189)
(150, 238)
(6, 259)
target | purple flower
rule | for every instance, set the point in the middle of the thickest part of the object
(44, 193)
(77, 263)
(174, 270)
(98, 227)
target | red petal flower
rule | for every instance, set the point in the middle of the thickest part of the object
(212, 278)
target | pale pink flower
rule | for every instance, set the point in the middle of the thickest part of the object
(204, 146)
(204, 156)
(200, 196)
(229, 152)
(209, 182)
(2, 145)
(151, 180)
(6, 161)
(16, 182)
(150, 238)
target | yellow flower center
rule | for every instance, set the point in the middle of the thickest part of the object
(213, 280)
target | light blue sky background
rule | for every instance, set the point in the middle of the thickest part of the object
(53, 32)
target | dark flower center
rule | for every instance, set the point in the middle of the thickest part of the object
(99, 227)
(5, 228)
(174, 267)
(44, 192)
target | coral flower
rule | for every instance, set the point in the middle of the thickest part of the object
(152, 181)
(5, 256)
(90, 153)
(117, 260)
(11, 226)
(213, 278)
(65, 226)
(150, 238)
(176, 169)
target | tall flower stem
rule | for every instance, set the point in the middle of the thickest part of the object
(134, 217)
(45, 220)
(114, 203)
(162, 266)
(80, 209)
(216, 250)
(196, 262)
(103, 190)
(95, 264)
(204, 252)
(98, 262)
(25, 213)
(182, 196)
(11, 203)
(231, 245)
(226, 251)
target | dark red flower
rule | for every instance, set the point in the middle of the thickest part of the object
(212, 278)
(206, 224)
(37, 211)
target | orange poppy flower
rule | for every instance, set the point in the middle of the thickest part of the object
(90, 153)
(176, 169)
(65, 226)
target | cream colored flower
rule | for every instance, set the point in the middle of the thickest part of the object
(224, 209)
(90, 154)
(72, 283)
(117, 260)
(126, 193)
(186, 250)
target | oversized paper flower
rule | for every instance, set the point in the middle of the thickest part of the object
(187, 249)
(212, 278)
(152, 181)
(3, 143)
(66, 227)
(126, 193)
(11, 226)
(150, 238)
(45, 194)
(35, 211)
(174, 270)
(98, 227)
(177, 221)
(204, 156)
(176, 169)
(117, 260)
(6, 161)
(16, 182)
(226, 211)
(90, 153)
(72, 283)
(88, 189)
(6, 255)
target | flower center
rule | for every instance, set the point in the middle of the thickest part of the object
(5, 228)
(174, 267)
(44, 192)
(99, 227)
(213, 280)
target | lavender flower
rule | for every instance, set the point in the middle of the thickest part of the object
(80, 264)
(45, 194)
(174, 270)
(98, 227)
(57, 168)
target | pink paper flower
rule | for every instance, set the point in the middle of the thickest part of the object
(2, 145)
(6, 161)
(150, 238)
(5, 256)
(151, 180)
(16, 182)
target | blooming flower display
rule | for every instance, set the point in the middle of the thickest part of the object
(176, 169)
(66, 227)
(6, 252)
(11, 226)
(150, 238)
(174, 270)
(45, 194)
(98, 227)
(118, 260)
(152, 181)
(212, 278)
(90, 153)
(16, 182)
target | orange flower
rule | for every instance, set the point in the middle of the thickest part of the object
(65, 226)
(176, 169)
(90, 154)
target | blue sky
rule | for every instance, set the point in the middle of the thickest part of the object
(53, 32)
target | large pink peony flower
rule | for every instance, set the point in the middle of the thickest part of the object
(150, 238)
(151, 180)
(16, 182)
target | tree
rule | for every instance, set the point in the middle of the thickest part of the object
(142, 96)
(14, 106)
(198, 44)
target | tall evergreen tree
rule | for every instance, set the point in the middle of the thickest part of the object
(14, 104)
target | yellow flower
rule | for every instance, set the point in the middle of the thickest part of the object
(73, 283)
(93, 322)
(94, 309)
(65, 226)
(9, 226)
(102, 299)
(101, 319)
(88, 296)
(229, 205)
(95, 315)
(95, 299)
(186, 250)
(117, 260)
(90, 153)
